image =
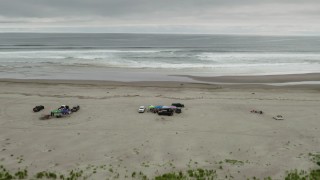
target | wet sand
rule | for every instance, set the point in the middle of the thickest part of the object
(260, 79)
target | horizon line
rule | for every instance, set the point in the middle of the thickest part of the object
(163, 33)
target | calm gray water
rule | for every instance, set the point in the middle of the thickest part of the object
(152, 56)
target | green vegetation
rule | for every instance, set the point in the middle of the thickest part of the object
(21, 174)
(5, 174)
(192, 173)
(315, 157)
(145, 164)
(313, 174)
(170, 176)
(20, 159)
(73, 175)
(234, 162)
(198, 174)
(47, 175)
(202, 173)
(111, 170)
(303, 175)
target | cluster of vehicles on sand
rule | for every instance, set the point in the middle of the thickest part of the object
(277, 117)
(163, 110)
(63, 110)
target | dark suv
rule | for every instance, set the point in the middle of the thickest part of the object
(177, 104)
(178, 110)
(38, 108)
(168, 112)
(75, 108)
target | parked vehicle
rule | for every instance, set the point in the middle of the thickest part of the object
(278, 117)
(64, 107)
(75, 108)
(178, 110)
(177, 105)
(57, 113)
(60, 112)
(38, 108)
(141, 109)
(168, 112)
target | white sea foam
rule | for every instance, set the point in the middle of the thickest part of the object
(56, 55)
(260, 57)
(232, 63)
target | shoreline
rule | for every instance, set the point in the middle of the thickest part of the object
(260, 79)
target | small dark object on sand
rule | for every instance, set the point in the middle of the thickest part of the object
(75, 108)
(255, 111)
(178, 110)
(38, 108)
(177, 104)
(167, 112)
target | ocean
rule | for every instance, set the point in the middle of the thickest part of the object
(141, 57)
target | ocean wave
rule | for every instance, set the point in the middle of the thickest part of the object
(157, 58)
(164, 65)
(69, 54)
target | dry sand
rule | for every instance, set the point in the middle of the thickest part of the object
(215, 125)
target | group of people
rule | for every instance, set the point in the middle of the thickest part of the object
(255, 111)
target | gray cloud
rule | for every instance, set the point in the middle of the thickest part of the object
(212, 16)
(48, 8)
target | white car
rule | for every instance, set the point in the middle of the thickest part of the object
(278, 117)
(141, 109)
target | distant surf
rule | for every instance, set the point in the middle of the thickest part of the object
(45, 55)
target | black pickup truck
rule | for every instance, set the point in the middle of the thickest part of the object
(177, 105)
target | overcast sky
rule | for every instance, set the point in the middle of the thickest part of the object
(270, 17)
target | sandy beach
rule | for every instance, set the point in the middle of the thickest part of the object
(108, 138)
